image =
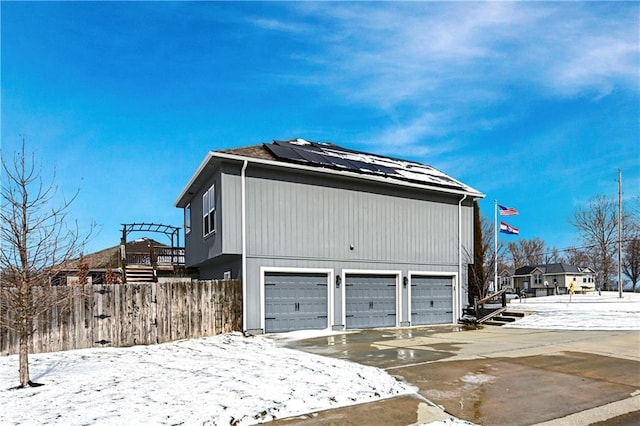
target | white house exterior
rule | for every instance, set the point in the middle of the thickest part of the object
(550, 279)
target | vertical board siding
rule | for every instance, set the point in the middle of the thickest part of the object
(292, 216)
(129, 314)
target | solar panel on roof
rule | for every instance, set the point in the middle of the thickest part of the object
(311, 156)
(328, 155)
(284, 152)
(341, 163)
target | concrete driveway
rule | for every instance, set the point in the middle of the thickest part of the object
(492, 376)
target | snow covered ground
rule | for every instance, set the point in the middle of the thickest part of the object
(580, 312)
(231, 379)
(212, 381)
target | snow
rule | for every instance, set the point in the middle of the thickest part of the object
(404, 169)
(591, 311)
(232, 379)
(215, 380)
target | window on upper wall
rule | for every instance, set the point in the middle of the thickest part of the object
(209, 211)
(187, 219)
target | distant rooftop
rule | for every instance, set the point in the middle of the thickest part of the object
(550, 268)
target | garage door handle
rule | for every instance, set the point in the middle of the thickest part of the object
(322, 316)
(349, 316)
(269, 318)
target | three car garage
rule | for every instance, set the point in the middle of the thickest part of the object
(301, 300)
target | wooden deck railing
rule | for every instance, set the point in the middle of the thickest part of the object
(157, 255)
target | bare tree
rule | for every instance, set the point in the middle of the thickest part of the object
(553, 256)
(631, 246)
(35, 235)
(597, 225)
(527, 252)
(576, 256)
(631, 261)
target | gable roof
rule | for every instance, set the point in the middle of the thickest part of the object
(550, 268)
(333, 159)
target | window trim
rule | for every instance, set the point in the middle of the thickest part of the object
(209, 211)
(187, 219)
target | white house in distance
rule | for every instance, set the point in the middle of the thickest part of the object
(327, 237)
(549, 279)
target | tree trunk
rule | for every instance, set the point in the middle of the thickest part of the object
(24, 359)
(24, 331)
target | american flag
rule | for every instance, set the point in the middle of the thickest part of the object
(507, 211)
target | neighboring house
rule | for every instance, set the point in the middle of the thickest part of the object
(505, 279)
(555, 278)
(327, 237)
(143, 256)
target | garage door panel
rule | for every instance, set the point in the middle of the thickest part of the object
(431, 300)
(295, 301)
(370, 300)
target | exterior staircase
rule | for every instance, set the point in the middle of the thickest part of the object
(490, 310)
(140, 274)
(503, 318)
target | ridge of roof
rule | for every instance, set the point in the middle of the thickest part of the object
(549, 268)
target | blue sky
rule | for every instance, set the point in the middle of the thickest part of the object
(535, 104)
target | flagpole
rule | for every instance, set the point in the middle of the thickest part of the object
(495, 245)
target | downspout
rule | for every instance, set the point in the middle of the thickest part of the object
(244, 244)
(460, 302)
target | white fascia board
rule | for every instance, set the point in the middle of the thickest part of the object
(472, 192)
(179, 201)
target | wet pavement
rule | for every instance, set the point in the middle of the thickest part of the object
(492, 376)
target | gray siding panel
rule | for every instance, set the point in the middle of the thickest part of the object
(300, 219)
(231, 211)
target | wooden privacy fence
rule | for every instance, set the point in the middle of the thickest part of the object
(132, 314)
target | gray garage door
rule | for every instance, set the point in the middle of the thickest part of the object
(295, 301)
(370, 300)
(431, 300)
